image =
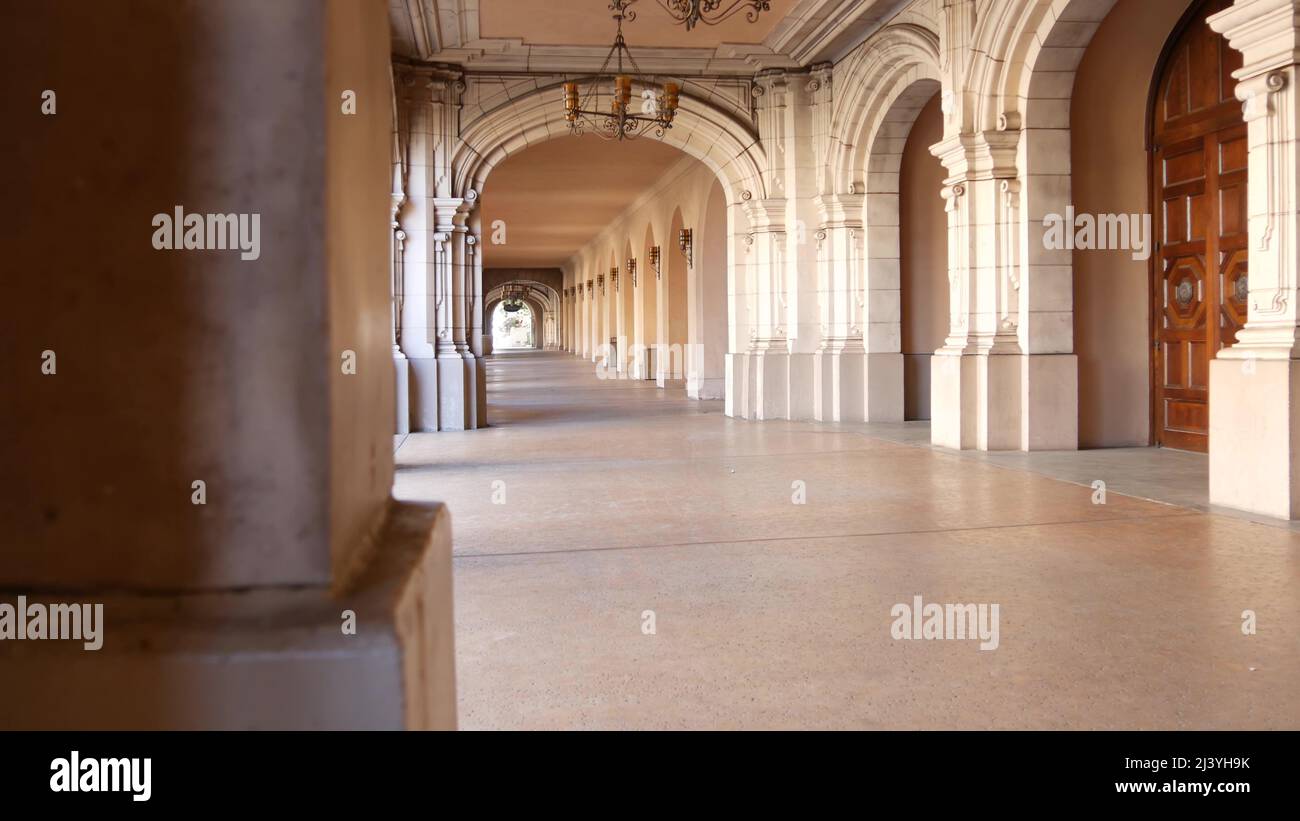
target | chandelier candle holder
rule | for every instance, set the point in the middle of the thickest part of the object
(617, 121)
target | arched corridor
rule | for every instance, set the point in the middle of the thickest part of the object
(645, 364)
(592, 501)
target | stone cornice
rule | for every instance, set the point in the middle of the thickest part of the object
(1264, 31)
(447, 31)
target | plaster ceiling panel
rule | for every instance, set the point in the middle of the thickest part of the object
(589, 23)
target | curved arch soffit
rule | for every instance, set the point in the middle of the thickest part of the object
(1012, 41)
(543, 295)
(722, 142)
(875, 77)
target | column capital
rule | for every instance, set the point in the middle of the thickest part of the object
(841, 210)
(1265, 32)
(980, 155)
(428, 84)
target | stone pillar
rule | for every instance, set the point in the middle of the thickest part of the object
(451, 276)
(802, 103)
(589, 319)
(978, 375)
(839, 391)
(416, 92)
(619, 320)
(402, 422)
(767, 380)
(742, 304)
(1255, 384)
(223, 591)
(474, 305)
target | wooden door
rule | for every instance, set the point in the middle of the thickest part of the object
(1198, 179)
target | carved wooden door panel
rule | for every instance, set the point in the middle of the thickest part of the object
(1198, 293)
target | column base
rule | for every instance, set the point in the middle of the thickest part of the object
(258, 659)
(457, 393)
(769, 384)
(736, 402)
(987, 401)
(402, 387)
(1255, 435)
(1050, 402)
(975, 401)
(855, 386)
(423, 389)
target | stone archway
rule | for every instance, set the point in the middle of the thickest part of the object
(860, 375)
(715, 135)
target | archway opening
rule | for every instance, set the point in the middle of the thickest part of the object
(708, 305)
(923, 247)
(1143, 344)
(513, 326)
(647, 294)
(671, 362)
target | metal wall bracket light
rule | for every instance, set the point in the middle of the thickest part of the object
(711, 12)
(654, 260)
(685, 242)
(631, 269)
(600, 283)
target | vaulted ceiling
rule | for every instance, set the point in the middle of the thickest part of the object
(575, 35)
(554, 197)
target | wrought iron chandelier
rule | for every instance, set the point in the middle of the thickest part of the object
(618, 122)
(712, 12)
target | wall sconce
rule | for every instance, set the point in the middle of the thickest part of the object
(600, 282)
(588, 287)
(631, 269)
(613, 278)
(654, 260)
(684, 241)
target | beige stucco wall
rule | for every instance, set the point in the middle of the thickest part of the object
(924, 243)
(1109, 164)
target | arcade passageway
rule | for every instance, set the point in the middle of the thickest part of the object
(589, 502)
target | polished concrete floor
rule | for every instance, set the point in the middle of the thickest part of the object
(589, 503)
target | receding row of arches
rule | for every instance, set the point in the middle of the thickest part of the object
(649, 298)
(1077, 133)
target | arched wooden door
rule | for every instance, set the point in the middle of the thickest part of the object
(1198, 179)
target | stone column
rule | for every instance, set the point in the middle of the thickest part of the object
(803, 109)
(589, 318)
(402, 423)
(457, 370)
(1255, 384)
(976, 377)
(617, 329)
(768, 360)
(838, 390)
(416, 91)
(474, 305)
